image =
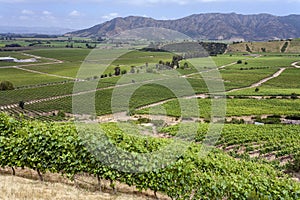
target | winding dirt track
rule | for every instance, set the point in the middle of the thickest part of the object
(259, 83)
(43, 73)
(295, 64)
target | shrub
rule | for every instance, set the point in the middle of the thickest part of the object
(293, 117)
(13, 45)
(294, 96)
(144, 120)
(274, 119)
(61, 114)
(295, 165)
(6, 85)
(124, 72)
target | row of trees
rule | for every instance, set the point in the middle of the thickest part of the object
(162, 65)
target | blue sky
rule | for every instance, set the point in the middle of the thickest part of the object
(79, 14)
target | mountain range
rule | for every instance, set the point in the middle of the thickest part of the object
(210, 26)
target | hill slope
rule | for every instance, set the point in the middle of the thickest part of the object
(289, 46)
(207, 26)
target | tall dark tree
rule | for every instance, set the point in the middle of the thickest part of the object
(117, 71)
(21, 104)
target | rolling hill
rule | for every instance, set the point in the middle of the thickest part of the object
(213, 26)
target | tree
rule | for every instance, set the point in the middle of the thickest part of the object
(132, 70)
(256, 89)
(239, 62)
(124, 72)
(21, 104)
(13, 45)
(161, 62)
(294, 96)
(185, 65)
(117, 71)
(248, 48)
(6, 85)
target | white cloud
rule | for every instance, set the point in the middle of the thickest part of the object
(24, 17)
(47, 16)
(75, 13)
(46, 12)
(110, 16)
(27, 12)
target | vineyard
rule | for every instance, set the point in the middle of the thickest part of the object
(256, 155)
(277, 144)
(51, 147)
(276, 87)
(234, 107)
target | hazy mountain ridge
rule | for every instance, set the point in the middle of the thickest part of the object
(208, 26)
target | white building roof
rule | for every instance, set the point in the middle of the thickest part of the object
(7, 58)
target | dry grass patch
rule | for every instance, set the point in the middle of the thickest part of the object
(26, 186)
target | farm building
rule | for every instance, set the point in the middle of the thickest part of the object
(7, 59)
(11, 59)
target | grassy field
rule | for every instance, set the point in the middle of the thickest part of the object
(67, 55)
(69, 69)
(17, 55)
(236, 78)
(221, 60)
(266, 62)
(21, 78)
